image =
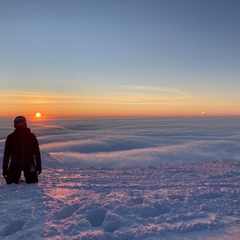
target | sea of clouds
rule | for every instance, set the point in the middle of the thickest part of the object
(110, 142)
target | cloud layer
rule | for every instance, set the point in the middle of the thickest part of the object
(104, 142)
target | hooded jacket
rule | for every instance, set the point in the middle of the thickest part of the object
(21, 149)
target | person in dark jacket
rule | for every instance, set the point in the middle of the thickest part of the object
(21, 153)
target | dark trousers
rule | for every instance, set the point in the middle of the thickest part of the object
(14, 174)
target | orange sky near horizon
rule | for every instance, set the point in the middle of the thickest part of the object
(116, 104)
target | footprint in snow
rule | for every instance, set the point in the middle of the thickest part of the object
(96, 217)
(13, 227)
(66, 212)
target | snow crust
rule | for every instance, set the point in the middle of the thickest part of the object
(166, 201)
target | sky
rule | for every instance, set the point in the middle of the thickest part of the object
(120, 58)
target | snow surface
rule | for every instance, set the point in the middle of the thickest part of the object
(167, 201)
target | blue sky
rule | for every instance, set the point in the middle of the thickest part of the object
(120, 57)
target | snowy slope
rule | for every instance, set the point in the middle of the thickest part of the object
(167, 201)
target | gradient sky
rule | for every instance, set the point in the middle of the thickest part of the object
(120, 57)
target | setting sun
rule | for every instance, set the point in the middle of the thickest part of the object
(38, 114)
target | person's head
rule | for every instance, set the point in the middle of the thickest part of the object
(20, 121)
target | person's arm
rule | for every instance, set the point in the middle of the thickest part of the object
(37, 155)
(6, 157)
